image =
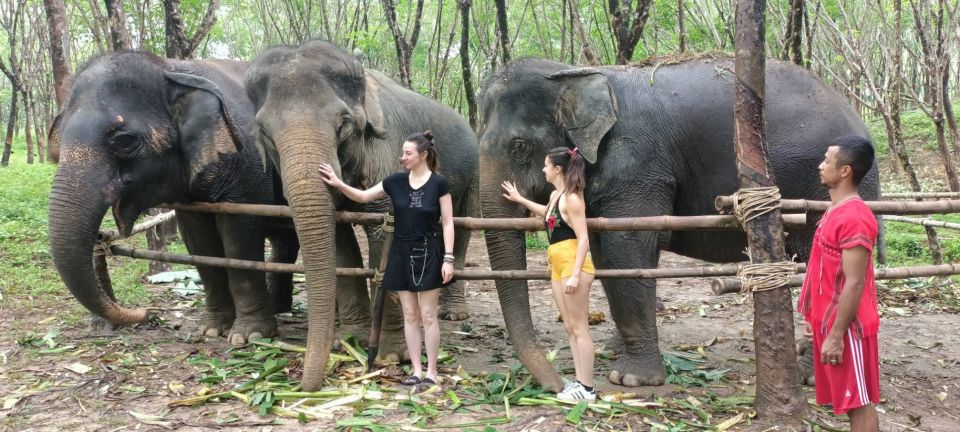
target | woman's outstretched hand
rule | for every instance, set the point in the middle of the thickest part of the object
(511, 191)
(329, 176)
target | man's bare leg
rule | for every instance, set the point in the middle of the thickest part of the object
(864, 419)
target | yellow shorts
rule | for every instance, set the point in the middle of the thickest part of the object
(561, 258)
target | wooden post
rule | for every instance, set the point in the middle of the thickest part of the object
(373, 346)
(778, 394)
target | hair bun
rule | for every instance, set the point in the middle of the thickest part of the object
(429, 135)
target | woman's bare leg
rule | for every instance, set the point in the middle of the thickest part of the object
(431, 329)
(411, 329)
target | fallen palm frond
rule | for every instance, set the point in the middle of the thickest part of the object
(265, 374)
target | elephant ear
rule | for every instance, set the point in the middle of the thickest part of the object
(372, 108)
(207, 127)
(586, 108)
(53, 139)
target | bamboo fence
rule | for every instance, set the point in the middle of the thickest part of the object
(730, 285)
(922, 221)
(724, 204)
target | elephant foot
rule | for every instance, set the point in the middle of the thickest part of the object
(805, 362)
(454, 311)
(245, 330)
(630, 371)
(393, 347)
(216, 324)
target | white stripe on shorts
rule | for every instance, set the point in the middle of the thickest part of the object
(856, 353)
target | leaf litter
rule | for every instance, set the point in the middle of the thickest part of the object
(265, 376)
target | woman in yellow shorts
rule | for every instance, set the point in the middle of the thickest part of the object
(569, 258)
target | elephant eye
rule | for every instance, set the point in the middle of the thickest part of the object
(520, 151)
(345, 130)
(124, 143)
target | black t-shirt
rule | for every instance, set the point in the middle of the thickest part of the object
(416, 211)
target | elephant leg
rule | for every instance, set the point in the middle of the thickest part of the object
(453, 306)
(633, 305)
(283, 249)
(393, 345)
(805, 361)
(353, 301)
(199, 232)
(249, 288)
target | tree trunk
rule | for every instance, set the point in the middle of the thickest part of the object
(56, 24)
(28, 132)
(627, 32)
(464, 6)
(896, 140)
(119, 37)
(948, 110)
(11, 123)
(778, 393)
(681, 31)
(503, 32)
(793, 39)
(178, 45)
(404, 47)
(587, 48)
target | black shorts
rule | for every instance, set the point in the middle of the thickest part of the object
(414, 265)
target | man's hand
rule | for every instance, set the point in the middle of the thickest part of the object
(831, 353)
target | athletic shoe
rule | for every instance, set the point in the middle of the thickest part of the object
(576, 393)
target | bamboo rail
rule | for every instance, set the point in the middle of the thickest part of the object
(724, 204)
(111, 235)
(660, 273)
(920, 195)
(727, 286)
(649, 223)
(923, 221)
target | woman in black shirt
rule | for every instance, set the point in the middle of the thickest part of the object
(417, 263)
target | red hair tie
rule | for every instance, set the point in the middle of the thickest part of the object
(572, 152)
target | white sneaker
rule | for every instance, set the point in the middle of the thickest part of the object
(575, 392)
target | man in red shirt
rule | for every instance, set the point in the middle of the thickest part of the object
(839, 297)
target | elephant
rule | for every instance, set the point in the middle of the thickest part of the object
(139, 130)
(658, 140)
(316, 103)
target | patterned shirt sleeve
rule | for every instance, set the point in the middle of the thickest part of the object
(857, 230)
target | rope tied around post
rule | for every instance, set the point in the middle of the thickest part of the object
(385, 227)
(751, 203)
(765, 276)
(102, 248)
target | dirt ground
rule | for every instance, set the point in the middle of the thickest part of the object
(143, 368)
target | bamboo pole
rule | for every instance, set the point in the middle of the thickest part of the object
(107, 235)
(915, 195)
(722, 286)
(649, 223)
(923, 221)
(660, 273)
(724, 204)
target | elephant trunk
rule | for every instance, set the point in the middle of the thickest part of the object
(79, 199)
(507, 250)
(302, 149)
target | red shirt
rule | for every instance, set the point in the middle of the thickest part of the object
(848, 225)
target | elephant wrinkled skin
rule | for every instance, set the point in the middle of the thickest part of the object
(660, 142)
(139, 130)
(317, 104)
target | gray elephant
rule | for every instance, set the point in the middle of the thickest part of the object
(317, 104)
(139, 130)
(659, 141)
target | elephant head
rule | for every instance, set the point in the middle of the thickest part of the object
(137, 131)
(528, 108)
(315, 105)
